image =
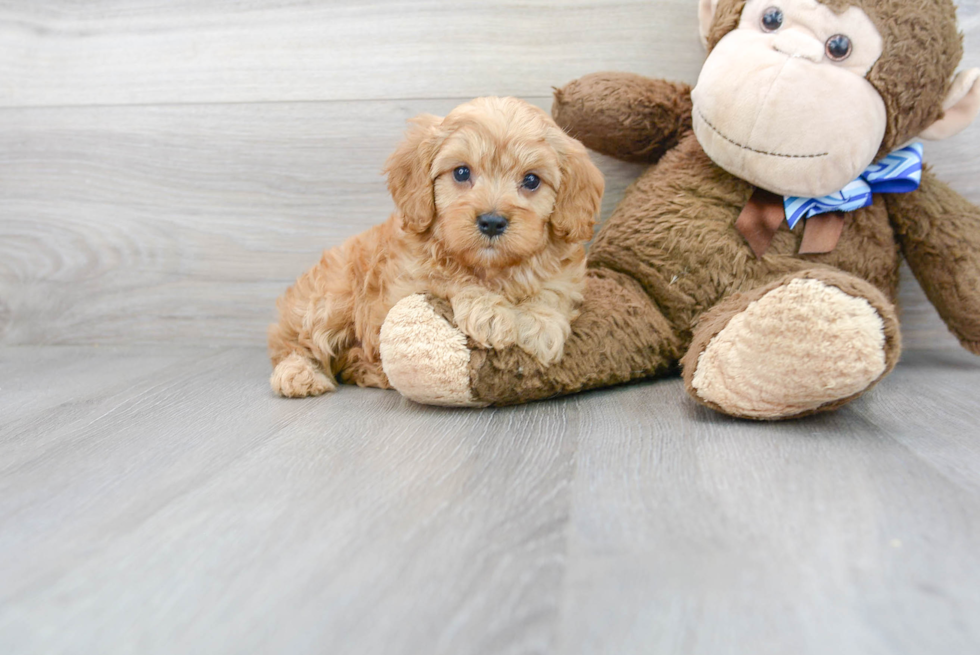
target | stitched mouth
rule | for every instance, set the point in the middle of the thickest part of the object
(751, 149)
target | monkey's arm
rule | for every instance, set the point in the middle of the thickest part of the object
(939, 232)
(624, 115)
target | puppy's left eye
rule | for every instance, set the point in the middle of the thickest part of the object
(461, 173)
(531, 182)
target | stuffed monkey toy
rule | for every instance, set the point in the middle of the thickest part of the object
(760, 252)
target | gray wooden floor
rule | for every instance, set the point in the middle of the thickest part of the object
(163, 501)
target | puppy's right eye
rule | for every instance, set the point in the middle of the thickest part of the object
(461, 173)
(531, 182)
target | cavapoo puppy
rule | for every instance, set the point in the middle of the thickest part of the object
(494, 203)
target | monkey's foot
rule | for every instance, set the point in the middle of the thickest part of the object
(806, 343)
(425, 357)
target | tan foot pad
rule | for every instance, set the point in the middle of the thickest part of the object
(425, 358)
(797, 348)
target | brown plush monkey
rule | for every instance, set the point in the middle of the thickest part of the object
(699, 266)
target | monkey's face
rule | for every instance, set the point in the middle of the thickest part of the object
(783, 101)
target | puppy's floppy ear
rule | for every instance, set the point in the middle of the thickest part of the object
(579, 193)
(409, 171)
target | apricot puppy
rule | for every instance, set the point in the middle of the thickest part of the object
(494, 203)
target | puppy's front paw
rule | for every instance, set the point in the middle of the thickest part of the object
(486, 319)
(298, 377)
(542, 334)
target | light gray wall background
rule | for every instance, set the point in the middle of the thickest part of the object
(167, 169)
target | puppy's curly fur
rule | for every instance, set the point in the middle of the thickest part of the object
(521, 286)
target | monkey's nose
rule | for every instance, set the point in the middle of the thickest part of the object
(492, 225)
(796, 44)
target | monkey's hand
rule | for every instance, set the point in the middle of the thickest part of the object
(623, 115)
(939, 232)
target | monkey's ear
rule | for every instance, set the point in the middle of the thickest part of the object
(706, 15)
(409, 171)
(960, 108)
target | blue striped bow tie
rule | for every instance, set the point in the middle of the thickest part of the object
(899, 172)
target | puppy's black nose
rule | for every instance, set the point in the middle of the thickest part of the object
(491, 225)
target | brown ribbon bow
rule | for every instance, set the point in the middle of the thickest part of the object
(764, 214)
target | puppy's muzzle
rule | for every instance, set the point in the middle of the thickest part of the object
(492, 225)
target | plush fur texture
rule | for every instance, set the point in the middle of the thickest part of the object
(923, 46)
(520, 287)
(671, 262)
(419, 345)
(840, 353)
(759, 87)
(660, 113)
(940, 236)
(669, 275)
(747, 359)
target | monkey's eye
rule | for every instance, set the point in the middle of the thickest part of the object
(531, 182)
(461, 173)
(772, 19)
(838, 47)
